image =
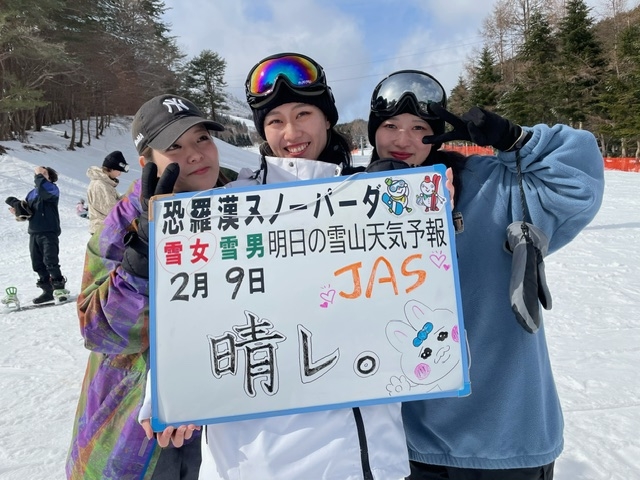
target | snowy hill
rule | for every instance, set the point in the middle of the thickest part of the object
(237, 107)
(593, 328)
(50, 148)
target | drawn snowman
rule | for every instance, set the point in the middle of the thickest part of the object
(428, 196)
(429, 346)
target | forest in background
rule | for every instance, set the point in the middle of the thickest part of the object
(543, 61)
(547, 61)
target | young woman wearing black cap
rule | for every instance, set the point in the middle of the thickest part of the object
(173, 139)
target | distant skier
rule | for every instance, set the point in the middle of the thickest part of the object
(102, 194)
(44, 232)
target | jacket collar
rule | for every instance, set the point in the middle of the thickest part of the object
(303, 169)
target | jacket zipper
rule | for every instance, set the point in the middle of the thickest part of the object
(364, 448)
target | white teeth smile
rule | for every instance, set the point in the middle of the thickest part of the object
(297, 149)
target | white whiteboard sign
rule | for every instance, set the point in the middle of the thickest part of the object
(302, 296)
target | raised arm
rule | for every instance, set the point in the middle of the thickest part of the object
(113, 306)
(563, 180)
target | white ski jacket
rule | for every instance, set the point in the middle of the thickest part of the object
(364, 443)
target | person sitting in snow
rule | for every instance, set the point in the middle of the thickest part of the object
(81, 209)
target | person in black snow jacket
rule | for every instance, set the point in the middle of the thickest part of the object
(44, 232)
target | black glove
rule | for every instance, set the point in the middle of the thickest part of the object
(480, 127)
(12, 201)
(20, 208)
(136, 255)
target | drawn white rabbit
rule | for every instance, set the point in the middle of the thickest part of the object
(428, 344)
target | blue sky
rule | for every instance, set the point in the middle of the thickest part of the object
(358, 42)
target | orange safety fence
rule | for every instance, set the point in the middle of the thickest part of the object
(624, 164)
(467, 150)
(627, 164)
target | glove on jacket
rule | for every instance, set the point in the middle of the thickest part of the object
(481, 127)
(528, 288)
(136, 255)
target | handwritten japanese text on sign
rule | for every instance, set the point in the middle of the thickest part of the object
(302, 296)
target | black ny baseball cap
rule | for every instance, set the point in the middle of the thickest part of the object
(162, 120)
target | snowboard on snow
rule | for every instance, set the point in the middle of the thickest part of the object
(11, 302)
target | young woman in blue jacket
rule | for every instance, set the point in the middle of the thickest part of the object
(511, 425)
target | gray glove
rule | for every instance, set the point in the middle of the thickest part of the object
(528, 286)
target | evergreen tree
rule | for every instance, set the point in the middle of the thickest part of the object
(621, 98)
(582, 64)
(539, 46)
(485, 82)
(532, 98)
(26, 61)
(204, 81)
(81, 59)
(71, 59)
(459, 101)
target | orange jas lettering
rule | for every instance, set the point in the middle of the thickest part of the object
(387, 275)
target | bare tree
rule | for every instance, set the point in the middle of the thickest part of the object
(613, 9)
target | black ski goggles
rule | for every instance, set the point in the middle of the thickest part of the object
(420, 88)
(301, 73)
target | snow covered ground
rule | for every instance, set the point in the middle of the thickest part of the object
(593, 328)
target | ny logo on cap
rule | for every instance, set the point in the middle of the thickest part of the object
(176, 103)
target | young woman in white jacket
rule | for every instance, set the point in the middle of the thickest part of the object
(294, 111)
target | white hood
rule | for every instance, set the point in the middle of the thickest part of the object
(279, 170)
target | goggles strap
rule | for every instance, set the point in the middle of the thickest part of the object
(523, 201)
